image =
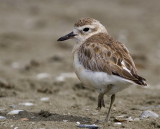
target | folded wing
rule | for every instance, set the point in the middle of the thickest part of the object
(101, 53)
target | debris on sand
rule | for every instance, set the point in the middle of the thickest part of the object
(13, 106)
(32, 64)
(56, 58)
(26, 104)
(93, 126)
(24, 119)
(45, 90)
(65, 121)
(44, 114)
(5, 84)
(148, 113)
(123, 118)
(14, 112)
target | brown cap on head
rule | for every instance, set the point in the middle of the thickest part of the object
(84, 21)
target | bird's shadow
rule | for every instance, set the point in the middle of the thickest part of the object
(47, 116)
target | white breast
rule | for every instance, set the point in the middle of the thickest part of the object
(99, 80)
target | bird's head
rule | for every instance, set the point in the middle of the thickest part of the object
(83, 29)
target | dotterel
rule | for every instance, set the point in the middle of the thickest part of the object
(101, 62)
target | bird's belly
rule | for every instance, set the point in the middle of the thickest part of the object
(102, 81)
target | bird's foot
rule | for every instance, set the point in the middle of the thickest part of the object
(100, 102)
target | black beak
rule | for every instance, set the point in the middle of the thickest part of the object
(68, 36)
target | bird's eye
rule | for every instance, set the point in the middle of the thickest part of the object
(86, 29)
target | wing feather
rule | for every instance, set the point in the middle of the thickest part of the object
(101, 53)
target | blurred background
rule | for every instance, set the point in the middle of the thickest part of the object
(33, 64)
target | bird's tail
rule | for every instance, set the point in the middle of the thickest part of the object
(140, 80)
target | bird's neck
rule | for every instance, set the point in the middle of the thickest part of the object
(81, 40)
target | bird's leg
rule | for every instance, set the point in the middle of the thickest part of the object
(109, 111)
(100, 101)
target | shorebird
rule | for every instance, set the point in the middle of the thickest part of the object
(101, 62)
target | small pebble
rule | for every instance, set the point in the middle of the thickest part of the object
(2, 118)
(44, 99)
(65, 120)
(26, 104)
(78, 123)
(117, 123)
(88, 126)
(42, 76)
(147, 113)
(14, 112)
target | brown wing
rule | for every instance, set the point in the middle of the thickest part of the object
(102, 53)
